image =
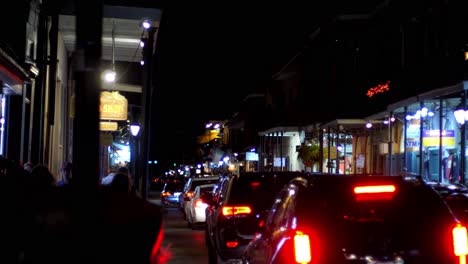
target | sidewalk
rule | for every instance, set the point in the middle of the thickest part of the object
(154, 198)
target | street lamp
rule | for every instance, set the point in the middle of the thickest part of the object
(134, 130)
(461, 114)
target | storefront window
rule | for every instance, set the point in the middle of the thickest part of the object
(413, 138)
(399, 143)
(450, 165)
(431, 142)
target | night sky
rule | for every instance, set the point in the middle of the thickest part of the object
(212, 55)
(210, 59)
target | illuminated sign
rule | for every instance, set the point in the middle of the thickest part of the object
(108, 126)
(251, 156)
(113, 106)
(378, 89)
(431, 138)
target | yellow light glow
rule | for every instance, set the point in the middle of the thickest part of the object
(302, 248)
(460, 240)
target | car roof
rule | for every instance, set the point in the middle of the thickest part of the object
(205, 178)
(206, 186)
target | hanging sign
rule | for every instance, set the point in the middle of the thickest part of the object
(113, 106)
(108, 126)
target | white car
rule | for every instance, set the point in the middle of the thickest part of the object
(189, 189)
(196, 206)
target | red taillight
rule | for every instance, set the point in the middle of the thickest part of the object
(155, 251)
(236, 210)
(255, 184)
(374, 192)
(261, 223)
(302, 252)
(460, 241)
(232, 244)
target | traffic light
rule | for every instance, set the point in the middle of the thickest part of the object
(175, 164)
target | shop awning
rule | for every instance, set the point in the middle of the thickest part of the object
(12, 75)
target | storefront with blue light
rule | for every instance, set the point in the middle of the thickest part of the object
(434, 134)
(423, 135)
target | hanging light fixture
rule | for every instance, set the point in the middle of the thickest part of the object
(110, 76)
(146, 24)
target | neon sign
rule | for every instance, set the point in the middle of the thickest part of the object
(378, 89)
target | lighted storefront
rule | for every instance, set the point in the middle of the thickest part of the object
(428, 136)
(344, 147)
(423, 135)
(115, 132)
(435, 143)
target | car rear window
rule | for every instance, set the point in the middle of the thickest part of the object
(208, 189)
(173, 187)
(256, 191)
(202, 182)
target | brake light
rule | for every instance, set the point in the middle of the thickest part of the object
(236, 210)
(374, 192)
(189, 194)
(165, 194)
(255, 184)
(374, 189)
(460, 242)
(232, 244)
(302, 252)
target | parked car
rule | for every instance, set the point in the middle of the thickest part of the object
(238, 202)
(189, 189)
(358, 219)
(196, 206)
(170, 193)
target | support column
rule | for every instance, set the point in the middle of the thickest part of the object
(148, 52)
(86, 128)
(38, 97)
(462, 158)
(281, 150)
